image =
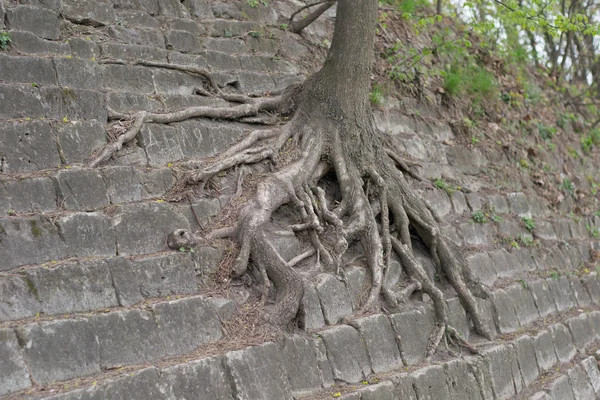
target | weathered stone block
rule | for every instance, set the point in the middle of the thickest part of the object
(133, 52)
(581, 295)
(544, 351)
(142, 228)
(594, 318)
(27, 70)
(28, 43)
(19, 298)
(176, 82)
(381, 391)
(561, 292)
(590, 366)
(255, 83)
(403, 387)
(73, 288)
(561, 228)
(581, 329)
(563, 344)
(561, 389)
(544, 230)
(482, 268)
(380, 340)
(125, 282)
(430, 383)
(523, 303)
(457, 317)
(477, 234)
(59, 350)
(161, 144)
(518, 204)
(137, 36)
(126, 337)
(128, 184)
(543, 297)
(503, 262)
(525, 351)
(310, 309)
(128, 78)
(224, 308)
(257, 373)
(461, 384)
(413, 346)
(334, 298)
(74, 104)
(98, 13)
(205, 378)
(13, 371)
(87, 234)
(299, 360)
(83, 48)
(79, 139)
(183, 41)
(165, 275)
(347, 354)
(355, 283)
(506, 318)
(459, 202)
(582, 388)
(26, 146)
(36, 194)
(499, 363)
(185, 324)
(199, 8)
(78, 73)
(42, 22)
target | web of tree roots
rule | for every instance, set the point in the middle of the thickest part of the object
(330, 131)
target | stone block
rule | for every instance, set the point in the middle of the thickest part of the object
(499, 363)
(561, 292)
(482, 268)
(78, 73)
(461, 384)
(582, 388)
(83, 48)
(176, 82)
(165, 275)
(98, 13)
(457, 317)
(543, 297)
(87, 234)
(524, 260)
(459, 202)
(125, 282)
(478, 367)
(545, 353)
(544, 230)
(581, 295)
(27, 70)
(561, 389)
(590, 366)
(199, 8)
(29, 241)
(299, 360)
(580, 329)
(592, 285)
(334, 298)
(518, 204)
(503, 262)
(594, 318)
(19, 298)
(523, 303)
(73, 287)
(128, 184)
(42, 22)
(205, 379)
(185, 324)
(224, 308)
(73, 104)
(26, 146)
(28, 43)
(403, 386)
(59, 350)
(142, 228)
(137, 35)
(127, 337)
(128, 78)
(310, 309)
(14, 375)
(477, 234)
(506, 318)
(35, 194)
(430, 383)
(439, 201)
(525, 352)
(78, 139)
(381, 391)
(355, 283)
(561, 228)
(563, 343)
(257, 374)
(255, 83)
(540, 396)
(204, 209)
(323, 363)
(134, 52)
(161, 144)
(380, 340)
(405, 324)
(183, 41)
(347, 354)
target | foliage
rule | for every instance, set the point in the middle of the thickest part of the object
(479, 217)
(529, 223)
(4, 40)
(376, 96)
(441, 184)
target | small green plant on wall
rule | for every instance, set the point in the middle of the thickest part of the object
(4, 40)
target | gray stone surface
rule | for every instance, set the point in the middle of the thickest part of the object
(25, 146)
(79, 139)
(27, 195)
(581, 295)
(381, 391)
(335, 301)
(199, 8)
(28, 43)
(405, 324)
(201, 379)
(127, 184)
(518, 204)
(475, 234)
(590, 366)
(403, 386)
(14, 375)
(18, 298)
(545, 353)
(499, 363)
(525, 351)
(128, 78)
(99, 13)
(81, 189)
(42, 22)
(563, 343)
(87, 234)
(457, 317)
(479, 368)
(561, 293)
(592, 285)
(59, 350)
(73, 288)
(83, 48)
(165, 275)
(355, 283)
(347, 354)
(126, 337)
(127, 288)
(74, 104)
(523, 303)
(582, 388)
(462, 385)
(503, 262)
(142, 228)
(482, 268)
(185, 324)
(224, 308)
(322, 362)
(299, 360)
(380, 340)
(540, 396)
(310, 309)
(506, 318)
(594, 318)
(160, 144)
(27, 70)
(430, 383)
(257, 373)
(561, 389)
(543, 297)
(581, 331)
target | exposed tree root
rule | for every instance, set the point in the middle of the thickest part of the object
(298, 26)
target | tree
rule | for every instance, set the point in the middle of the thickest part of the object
(330, 130)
